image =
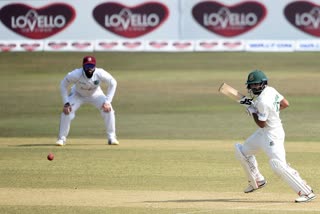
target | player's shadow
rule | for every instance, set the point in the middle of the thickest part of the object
(217, 200)
(32, 145)
(53, 145)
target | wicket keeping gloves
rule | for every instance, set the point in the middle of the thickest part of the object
(251, 109)
(246, 101)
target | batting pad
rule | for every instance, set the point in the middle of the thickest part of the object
(246, 166)
(290, 176)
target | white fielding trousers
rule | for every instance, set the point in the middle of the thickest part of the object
(76, 100)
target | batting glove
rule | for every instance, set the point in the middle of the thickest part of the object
(251, 109)
(246, 101)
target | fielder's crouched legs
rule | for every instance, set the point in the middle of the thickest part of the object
(109, 120)
(64, 128)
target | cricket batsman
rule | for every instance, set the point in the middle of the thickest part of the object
(86, 88)
(265, 110)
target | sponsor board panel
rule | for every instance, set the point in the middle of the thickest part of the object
(182, 45)
(158, 45)
(307, 45)
(265, 20)
(162, 25)
(22, 45)
(270, 45)
(131, 45)
(219, 45)
(304, 16)
(35, 19)
(160, 20)
(145, 45)
(107, 45)
(92, 19)
(119, 45)
(69, 45)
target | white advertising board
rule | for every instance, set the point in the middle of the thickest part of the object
(263, 19)
(159, 25)
(90, 19)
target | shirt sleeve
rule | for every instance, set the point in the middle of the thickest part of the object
(111, 85)
(263, 111)
(64, 84)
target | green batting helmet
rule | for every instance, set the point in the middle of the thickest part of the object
(256, 76)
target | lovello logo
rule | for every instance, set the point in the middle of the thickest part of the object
(208, 45)
(158, 45)
(231, 44)
(7, 47)
(131, 44)
(108, 45)
(81, 45)
(37, 23)
(30, 47)
(305, 16)
(57, 45)
(181, 45)
(229, 21)
(130, 22)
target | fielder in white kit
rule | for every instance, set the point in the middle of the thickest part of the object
(86, 88)
(265, 110)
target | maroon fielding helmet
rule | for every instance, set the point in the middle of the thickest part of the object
(89, 60)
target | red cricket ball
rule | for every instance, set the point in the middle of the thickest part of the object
(50, 156)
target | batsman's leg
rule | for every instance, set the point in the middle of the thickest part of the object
(293, 179)
(250, 166)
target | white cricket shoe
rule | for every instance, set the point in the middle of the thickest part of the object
(306, 198)
(113, 142)
(250, 188)
(60, 142)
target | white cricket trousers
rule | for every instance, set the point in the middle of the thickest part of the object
(76, 100)
(272, 143)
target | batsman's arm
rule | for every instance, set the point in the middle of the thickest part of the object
(260, 123)
(284, 103)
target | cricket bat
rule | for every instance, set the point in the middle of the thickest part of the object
(231, 92)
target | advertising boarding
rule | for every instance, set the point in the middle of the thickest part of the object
(159, 25)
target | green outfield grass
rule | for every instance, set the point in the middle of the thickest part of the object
(176, 135)
(160, 95)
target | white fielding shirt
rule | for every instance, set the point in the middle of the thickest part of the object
(86, 87)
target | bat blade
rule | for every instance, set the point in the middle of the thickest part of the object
(231, 92)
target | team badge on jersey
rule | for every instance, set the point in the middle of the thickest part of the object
(96, 82)
(251, 77)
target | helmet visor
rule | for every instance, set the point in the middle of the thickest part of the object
(89, 66)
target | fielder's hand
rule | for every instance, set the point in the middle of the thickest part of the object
(246, 101)
(67, 108)
(106, 107)
(251, 110)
